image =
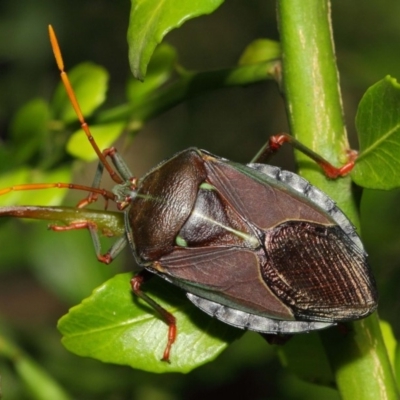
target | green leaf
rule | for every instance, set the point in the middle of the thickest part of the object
(28, 129)
(114, 326)
(151, 20)
(378, 126)
(106, 134)
(90, 82)
(260, 50)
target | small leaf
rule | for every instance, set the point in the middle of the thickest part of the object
(90, 82)
(260, 50)
(378, 126)
(151, 20)
(114, 326)
(106, 134)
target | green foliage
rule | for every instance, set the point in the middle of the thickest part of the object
(379, 136)
(108, 327)
(260, 50)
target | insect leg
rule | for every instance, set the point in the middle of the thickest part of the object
(275, 142)
(112, 252)
(119, 163)
(92, 197)
(168, 318)
(105, 258)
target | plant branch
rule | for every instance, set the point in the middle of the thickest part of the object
(311, 87)
(188, 85)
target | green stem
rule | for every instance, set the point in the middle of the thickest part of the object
(310, 82)
(190, 84)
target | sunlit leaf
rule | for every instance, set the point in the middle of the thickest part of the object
(114, 326)
(260, 50)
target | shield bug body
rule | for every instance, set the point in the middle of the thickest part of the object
(252, 245)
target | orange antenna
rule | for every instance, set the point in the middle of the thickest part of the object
(37, 186)
(75, 104)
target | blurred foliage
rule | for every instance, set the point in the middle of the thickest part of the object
(43, 273)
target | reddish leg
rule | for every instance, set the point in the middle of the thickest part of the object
(72, 226)
(122, 169)
(168, 318)
(92, 227)
(275, 142)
